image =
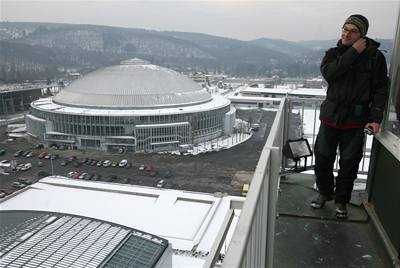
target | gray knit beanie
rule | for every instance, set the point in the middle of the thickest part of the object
(360, 22)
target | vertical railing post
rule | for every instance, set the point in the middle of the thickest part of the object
(272, 202)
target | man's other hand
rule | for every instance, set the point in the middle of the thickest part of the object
(374, 126)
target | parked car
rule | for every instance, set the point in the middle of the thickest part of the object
(149, 167)
(48, 156)
(30, 154)
(71, 174)
(160, 184)
(2, 151)
(54, 156)
(76, 175)
(2, 194)
(42, 154)
(123, 163)
(53, 146)
(82, 176)
(64, 163)
(114, 164)
(25, 153)
(83, 160)
(106, 163)
(255, 127)
(18, 153)
(19, 166)
(93, 163)
(141, 167)
(40, 164)
(71, 158)
(26, 166)
(18, 185)
(100, 163)
(25, 181)
(5, 163)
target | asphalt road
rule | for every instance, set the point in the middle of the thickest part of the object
(223, 171)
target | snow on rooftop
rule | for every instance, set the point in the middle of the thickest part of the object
(185, 219)
(46, 104)
(286, 90)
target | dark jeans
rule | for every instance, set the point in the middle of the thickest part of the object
(350, 142)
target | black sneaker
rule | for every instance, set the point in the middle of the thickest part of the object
(320, 200)
(341, 211)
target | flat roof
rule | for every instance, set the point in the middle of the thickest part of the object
(289, 91)
(187, 220)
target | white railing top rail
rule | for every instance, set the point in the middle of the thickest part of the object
(238, 244)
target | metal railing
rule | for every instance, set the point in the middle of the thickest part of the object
(303, 122)
(252, 242)
(253, 239)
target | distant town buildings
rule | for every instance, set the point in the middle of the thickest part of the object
(15, 99)
(266, 97)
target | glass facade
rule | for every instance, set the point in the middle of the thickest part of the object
(133, 133)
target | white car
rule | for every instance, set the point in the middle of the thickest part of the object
(26, 166)
(160, 184)
(142, 167)
(123, 163)
(71, 174)
(5, 163)
(106, 163)
(19, 167)
(82, 176)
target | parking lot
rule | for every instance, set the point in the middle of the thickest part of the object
(223, 171)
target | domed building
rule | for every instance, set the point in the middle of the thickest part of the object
(134, 106)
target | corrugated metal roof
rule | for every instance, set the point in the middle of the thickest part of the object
(132, 85)
(45, 239)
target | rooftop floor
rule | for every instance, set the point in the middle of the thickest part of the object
(306, 237)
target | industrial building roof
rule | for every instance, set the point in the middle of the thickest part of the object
(132, 84)
(189, 221)
(45, 239)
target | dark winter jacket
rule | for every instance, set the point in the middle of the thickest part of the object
(357, 85)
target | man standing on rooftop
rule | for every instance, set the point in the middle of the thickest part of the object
(356, 73)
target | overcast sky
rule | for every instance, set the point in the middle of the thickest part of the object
(244, 20)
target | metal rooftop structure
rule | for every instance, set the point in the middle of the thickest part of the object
(132, 84)
(43, 239)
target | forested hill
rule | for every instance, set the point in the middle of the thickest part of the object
(47, 50)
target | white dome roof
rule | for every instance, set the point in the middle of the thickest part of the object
(132, 84)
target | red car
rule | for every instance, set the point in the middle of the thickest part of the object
(149, 167)
(76, 175)
(42, 154)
